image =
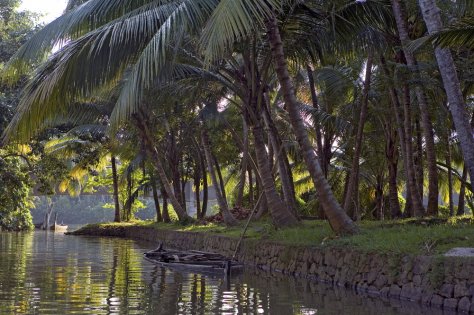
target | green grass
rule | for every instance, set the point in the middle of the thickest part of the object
(411, 236)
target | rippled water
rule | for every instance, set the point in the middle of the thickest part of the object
(50, 273)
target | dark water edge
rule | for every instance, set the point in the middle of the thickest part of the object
(51, 273)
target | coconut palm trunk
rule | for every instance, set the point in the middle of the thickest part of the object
(418, 158)
(165, 213)
(450, 179)
(156, 200)
(226, 214)
(427, 126)
(197, 190)
(338, 219)
(205, 188)
(281, 214)
(462, 193)
(244, 165)
(351, 200)
(160, 170)
(432, 17)
(399, 117)
(314, 100)
(283, 171)
(115, 187)
(391, 154)
(416, 198)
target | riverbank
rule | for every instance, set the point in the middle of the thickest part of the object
(396, 259)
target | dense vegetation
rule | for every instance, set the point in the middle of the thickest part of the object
(340, 110)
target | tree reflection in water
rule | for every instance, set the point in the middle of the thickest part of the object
(50, 273)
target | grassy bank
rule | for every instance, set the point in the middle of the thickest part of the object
(427, 236)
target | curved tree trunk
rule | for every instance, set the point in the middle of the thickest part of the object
(432, 17)
(337, 218)
(351, 200)
(116, 192)
(226, 214)
(158, 165)
(281, 215)
(288, 192)
(428, 133)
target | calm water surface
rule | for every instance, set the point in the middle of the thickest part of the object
(50, 273)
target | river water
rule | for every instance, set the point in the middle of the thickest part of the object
(51, 273)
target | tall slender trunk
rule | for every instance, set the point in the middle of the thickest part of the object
(351, 200)
(251, 193)
(399, 116)
(244, 163)
(205, 187)
(173, 163)
(165, 213)
(183, 189)
(314, 99)
(226, 214)
(462, 193)
(418, 158)
(281, 215)
(338, 219)
(450, 178)
(158, 165)
(197, 191)
(219, 176)
(159, 218)
(400, 18)
(128, 205)
(432, 17)
(288, 192)
(391, 154)
(379, 202)
(115, 187)
(416, 200)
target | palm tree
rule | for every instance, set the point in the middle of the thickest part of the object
(338, 219)
(432, 17)
(424, 111)
(222, 202)
(222, 23)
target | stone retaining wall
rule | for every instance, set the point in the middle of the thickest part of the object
(444, 282)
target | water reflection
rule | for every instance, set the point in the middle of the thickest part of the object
(48, 273)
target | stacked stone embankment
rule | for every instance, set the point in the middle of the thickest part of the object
(436, 281)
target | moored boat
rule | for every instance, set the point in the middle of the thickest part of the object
(58, 227)
(193, 260)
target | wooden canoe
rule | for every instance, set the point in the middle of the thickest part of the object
(193, 260)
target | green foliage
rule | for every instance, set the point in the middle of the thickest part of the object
(86, 209)
(14, 196)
